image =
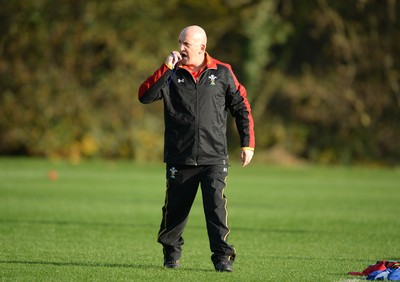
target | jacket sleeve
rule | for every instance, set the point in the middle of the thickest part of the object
(240, 109)
(152, 88)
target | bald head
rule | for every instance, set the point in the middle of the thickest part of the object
(195, 33)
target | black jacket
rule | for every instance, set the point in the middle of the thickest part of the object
(195, 113)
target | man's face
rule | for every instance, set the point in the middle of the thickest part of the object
(192, 51)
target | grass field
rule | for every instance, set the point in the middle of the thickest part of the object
(99, 221)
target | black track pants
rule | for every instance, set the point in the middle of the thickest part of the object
(182, 186)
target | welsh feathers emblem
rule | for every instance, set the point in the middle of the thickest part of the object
(212, 79)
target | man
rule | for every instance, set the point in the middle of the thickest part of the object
(198, 91)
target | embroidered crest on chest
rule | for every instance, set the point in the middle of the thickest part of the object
(212, 79)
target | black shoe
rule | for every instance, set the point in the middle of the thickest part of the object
(223, 266)
(172, 264)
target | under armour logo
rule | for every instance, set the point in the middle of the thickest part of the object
(181, 80)
(225, 169)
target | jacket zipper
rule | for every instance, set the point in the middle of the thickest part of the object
(197, 118)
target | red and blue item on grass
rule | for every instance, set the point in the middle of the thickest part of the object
(382, 270)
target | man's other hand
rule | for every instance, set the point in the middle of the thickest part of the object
(246, 156)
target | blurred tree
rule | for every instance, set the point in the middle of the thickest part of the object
(68, 70)
(341, 80)
(323, 76)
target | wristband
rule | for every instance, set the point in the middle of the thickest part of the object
(169, 66)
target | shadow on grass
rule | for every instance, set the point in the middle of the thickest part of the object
(268, 230)
(136, 225)
(85, 264)
(319, 259)
(107, 265)
(76, 223)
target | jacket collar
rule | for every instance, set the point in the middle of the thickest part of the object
(211, 63)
